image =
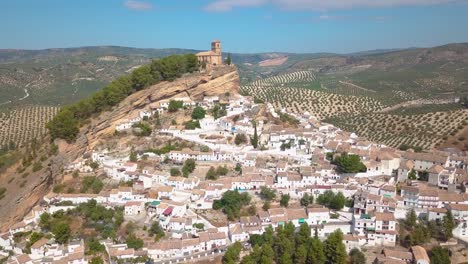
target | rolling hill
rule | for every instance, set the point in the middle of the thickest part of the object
(391, 96)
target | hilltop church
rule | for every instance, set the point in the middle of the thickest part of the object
(212, 57)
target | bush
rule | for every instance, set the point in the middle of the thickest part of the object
(332, 200)
(91, 183)
(267, 193)
(37, 167)
(156, 231)
(134, 242)
(231, 202)
(144, 129)
(198, 113)
(349, 163)
(189, 167)
(240, 139)
(175, 105)
(175, 172)
(191, 125)
(284, 201)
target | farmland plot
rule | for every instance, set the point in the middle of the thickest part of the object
(23, 124)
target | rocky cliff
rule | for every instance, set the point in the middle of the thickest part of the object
(197, 85)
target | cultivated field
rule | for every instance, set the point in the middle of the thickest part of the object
(25, 123)
(300, 92)
(392, 117)
(425, 130)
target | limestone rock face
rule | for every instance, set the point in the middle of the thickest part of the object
(217, 81)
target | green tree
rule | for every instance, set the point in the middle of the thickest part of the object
(142, 77)
(349, 163)
(338, 201)
(61, 232)
(174, 105)
(286, 258)
(189, 167)
(254, 139)
(240, 139)
(267, 193)
(231, 202)
(96, 260)
(133, 156)
(64, 125)
(211, 174)
(222, 170)
(268, 254)
(300, 257)
(448, 224)
(303, 235)
(284, 201)
(175, 172)
(356, 257)
(440, 255)
(93, 246)
(156, 231)
(316, 252)
(412, 175)
(192, 124)
(411, 218)
(134, 242)
(307, 199)
(232, 253)
(332, 200)
(266, 206)
(198, 113)
(420, 235)
(228, 59)
(335, 250)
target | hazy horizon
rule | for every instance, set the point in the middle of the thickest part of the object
(244, 26)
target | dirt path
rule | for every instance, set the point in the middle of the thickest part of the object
(415, 103)
(357, 86)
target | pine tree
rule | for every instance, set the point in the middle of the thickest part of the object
(133, 156)
(448, 224)
(301, 255)
(411, 219)
(267, 254)
(412, 175)
(254, 140)
(316, 252)
(228, 59)
(303, 235)
(335, 250)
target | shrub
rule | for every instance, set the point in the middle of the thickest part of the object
(175, 105)
(240, 139)
(175, 172)
(198, 113)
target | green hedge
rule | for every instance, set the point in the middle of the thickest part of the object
(66, 123)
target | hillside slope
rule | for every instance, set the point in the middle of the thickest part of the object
(20, 199)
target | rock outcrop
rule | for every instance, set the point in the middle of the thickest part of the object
(218, 81)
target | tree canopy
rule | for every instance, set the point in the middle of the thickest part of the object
(198, 113)
(232, 202)
(66, 123)
(349, 163)
(332, 200)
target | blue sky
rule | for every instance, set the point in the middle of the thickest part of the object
(242, 25)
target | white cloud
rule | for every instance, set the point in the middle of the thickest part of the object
(320, 5)
(332, 17)
(227, 5)
(137, 5)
